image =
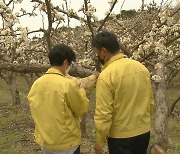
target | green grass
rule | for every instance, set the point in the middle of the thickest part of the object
(16, 125)
(16, 128)
(174, 122)
(4, 92)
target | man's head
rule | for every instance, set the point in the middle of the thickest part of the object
(105, 44)
(62, 56)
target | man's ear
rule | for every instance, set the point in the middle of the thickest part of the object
(105, 51)
(66, 63)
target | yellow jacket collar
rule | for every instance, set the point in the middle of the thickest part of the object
(114, 58)
(54, 71)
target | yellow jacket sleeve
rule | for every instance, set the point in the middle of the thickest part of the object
(88, 82)
(103, 112)
(77, 100)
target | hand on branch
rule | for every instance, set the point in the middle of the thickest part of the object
(98, 148)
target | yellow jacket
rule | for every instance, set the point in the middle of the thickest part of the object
(124, 99)
(56, 104)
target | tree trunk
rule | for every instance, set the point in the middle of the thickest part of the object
(83, 126)
(12, 86)
(29, 79)
(161, 110)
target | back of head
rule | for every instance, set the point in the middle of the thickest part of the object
(59, 53)
(106, 39)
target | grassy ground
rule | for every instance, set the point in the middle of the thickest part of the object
(16, 125)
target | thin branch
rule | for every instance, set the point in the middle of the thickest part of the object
(143, 41)
(104, 21)
(36, 31)
(59, 22)
(24, 14)
(71, 15)
(147, 56)
(134, 25)
(142, 6)
(68, 20)
(173, 105)
(171, 76)
(2, 76)
(149, 63)
(48, 32)
(137, 46)
(171, 59)
(125, 51)
(122, 6)
(2, 57)
(129, 31)
(170, 16)
(9, 2)
(155, 15)
(172, 40)
(88, 18)
(42, 20)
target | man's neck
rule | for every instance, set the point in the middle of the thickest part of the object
(60, 68)
(112, 55)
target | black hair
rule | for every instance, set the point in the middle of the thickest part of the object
(59, 53)
(106, 39)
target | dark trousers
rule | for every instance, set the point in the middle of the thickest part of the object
(133, 145)
(77, 151)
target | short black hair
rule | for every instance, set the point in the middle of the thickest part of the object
(106, 39)
(59, 53)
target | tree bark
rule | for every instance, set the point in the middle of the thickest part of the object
(29, 79)
(161, 110)
(11, 82)
(83, 126)
(76, 70)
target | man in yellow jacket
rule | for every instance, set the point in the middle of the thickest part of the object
(124, 99)
(57, 103)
